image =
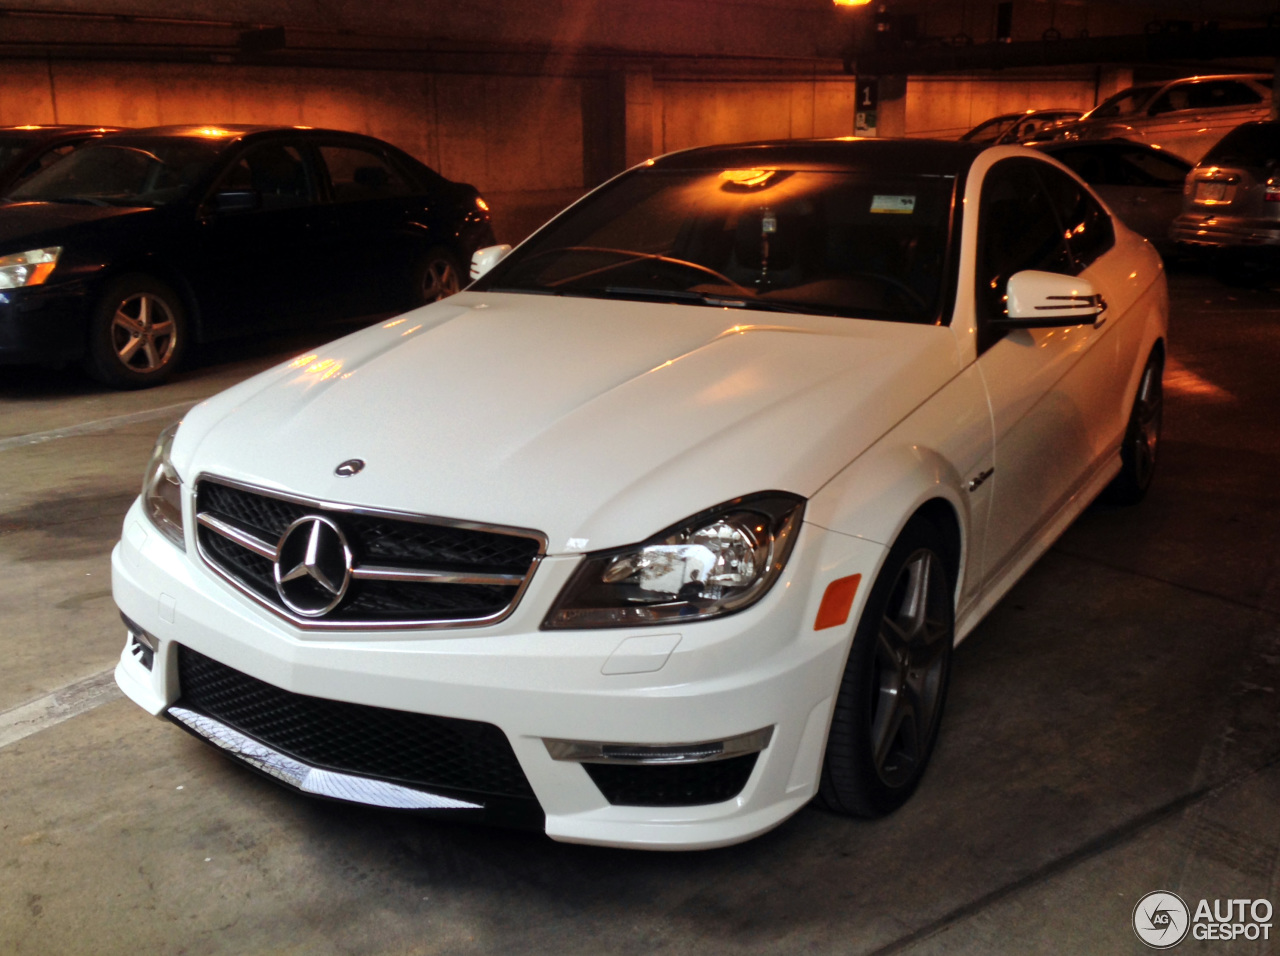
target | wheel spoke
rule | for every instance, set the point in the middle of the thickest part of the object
(127, 352)
(890, 713)
(129, 323)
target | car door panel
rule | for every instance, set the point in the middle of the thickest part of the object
(1052, 407)
(257, 269)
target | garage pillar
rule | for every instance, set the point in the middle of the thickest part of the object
(618, 123)
(892, 119)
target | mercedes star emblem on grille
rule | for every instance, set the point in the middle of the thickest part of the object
(352, 466)
(312, 566)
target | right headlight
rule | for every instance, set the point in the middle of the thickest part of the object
(28, 268)
(162, 490)
(717, 562)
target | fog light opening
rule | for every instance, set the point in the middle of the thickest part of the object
(585, 751)
(142, 646)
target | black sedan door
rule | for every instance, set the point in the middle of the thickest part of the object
(258, 263)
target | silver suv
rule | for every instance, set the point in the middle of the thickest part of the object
(1185, 117)
(1231, 201)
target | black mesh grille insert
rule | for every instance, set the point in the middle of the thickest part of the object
(672, 785)
(436, 753)
(374, 540)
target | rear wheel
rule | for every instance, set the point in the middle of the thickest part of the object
(1141, 437)
(137, 333)
(439, 276)
(891, 698)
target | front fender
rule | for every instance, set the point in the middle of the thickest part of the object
(932, 455)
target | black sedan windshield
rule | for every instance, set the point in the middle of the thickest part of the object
(844, 242)
(123, 172)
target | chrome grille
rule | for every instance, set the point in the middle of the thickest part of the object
(404, 570)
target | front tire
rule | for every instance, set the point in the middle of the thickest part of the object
(137, 333)
(891, 697)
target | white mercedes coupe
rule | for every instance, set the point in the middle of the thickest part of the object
(668, 524)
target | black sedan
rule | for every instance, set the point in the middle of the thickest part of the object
(127, 251)
(25, 150)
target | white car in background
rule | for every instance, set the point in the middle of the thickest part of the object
(668, 524)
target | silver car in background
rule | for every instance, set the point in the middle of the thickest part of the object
(1231, 202)
(1185, 117)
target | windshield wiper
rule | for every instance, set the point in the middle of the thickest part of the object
(671, 295)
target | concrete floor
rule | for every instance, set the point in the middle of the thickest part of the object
(1112, 730)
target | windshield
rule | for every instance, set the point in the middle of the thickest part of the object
(1125, 102)
(850, 243)
(991, 130)
(133, 172)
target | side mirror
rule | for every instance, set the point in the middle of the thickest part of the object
(482, 260)
(1047, 300)
(237, 200)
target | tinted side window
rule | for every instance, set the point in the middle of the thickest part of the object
(358, 174)
(1096, 165)
(1017, 229)
(277, 172)
(1222, 93)
(1147, 168)
(1085, 224)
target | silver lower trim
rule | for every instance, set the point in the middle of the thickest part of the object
(584, 751)
(309, 779)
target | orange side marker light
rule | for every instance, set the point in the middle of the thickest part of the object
(837, 601)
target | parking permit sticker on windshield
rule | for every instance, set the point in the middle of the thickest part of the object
(900, 205)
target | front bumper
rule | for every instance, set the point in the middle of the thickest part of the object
(47, 323)
(762, 671)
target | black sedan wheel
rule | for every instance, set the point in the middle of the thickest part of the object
(439, 276)
(138, 333)
(895, 682)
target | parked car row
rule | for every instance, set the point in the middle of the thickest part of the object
(141, 243)
(1191, 163)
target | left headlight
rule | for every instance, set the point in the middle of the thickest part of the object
(28, 268)
(162, 490)
(717, 562)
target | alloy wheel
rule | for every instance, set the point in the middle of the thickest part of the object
(440, 280)
(144, 332)
(909, 668)
(1148, 411)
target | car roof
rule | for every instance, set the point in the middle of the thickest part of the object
(233, 131)
(54, 130)
(909, 156)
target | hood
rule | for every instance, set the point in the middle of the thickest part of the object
(602, 421)
(30, 225)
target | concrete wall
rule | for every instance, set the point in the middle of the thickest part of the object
(944, 107)
(698, 112)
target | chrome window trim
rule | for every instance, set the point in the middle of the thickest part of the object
(269, 551)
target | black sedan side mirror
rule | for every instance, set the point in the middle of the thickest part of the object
(1048, 300)
(237, 200)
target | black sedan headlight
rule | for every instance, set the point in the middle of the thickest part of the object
(28, 268)
(162, 490)
(717, 562)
